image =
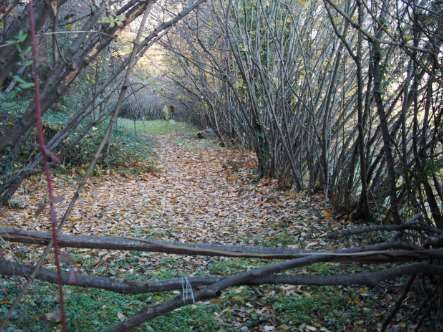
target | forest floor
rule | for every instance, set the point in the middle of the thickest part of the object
(198, 192)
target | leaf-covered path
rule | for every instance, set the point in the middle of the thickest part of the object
(200, 192)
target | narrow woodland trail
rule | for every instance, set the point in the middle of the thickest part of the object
(206, 193)
(199, 192)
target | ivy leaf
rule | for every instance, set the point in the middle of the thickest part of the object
(22, 84)
(21, 37)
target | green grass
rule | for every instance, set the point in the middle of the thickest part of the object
(281, 239)
(195, 145)
(184, 132)
(97, 310)
(224, 266)
(130, 150)
(156, 127)
(331, 307)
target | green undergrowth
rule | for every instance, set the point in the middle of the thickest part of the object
(284, 307)
(97, 310)
(127, 152)
(131, 143)
(130, 150)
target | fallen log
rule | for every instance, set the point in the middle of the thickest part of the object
(384, 252)
(8, 268)
(147, 245)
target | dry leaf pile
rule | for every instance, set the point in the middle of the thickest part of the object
(204, 194)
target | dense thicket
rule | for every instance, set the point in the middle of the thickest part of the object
(343, 97)
(81, 68)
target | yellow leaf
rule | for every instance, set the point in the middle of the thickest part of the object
(327, 214)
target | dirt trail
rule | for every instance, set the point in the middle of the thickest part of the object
(201, 192)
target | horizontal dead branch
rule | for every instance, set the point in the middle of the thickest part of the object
(383, 252)
(8, 268)
(147, 245)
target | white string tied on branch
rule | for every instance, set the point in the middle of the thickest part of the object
(187, 291)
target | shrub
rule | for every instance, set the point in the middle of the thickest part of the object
(126, 149)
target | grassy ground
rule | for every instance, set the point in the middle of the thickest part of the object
(156, 127)
(266, 308)
(183, 132)
(131, 148)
